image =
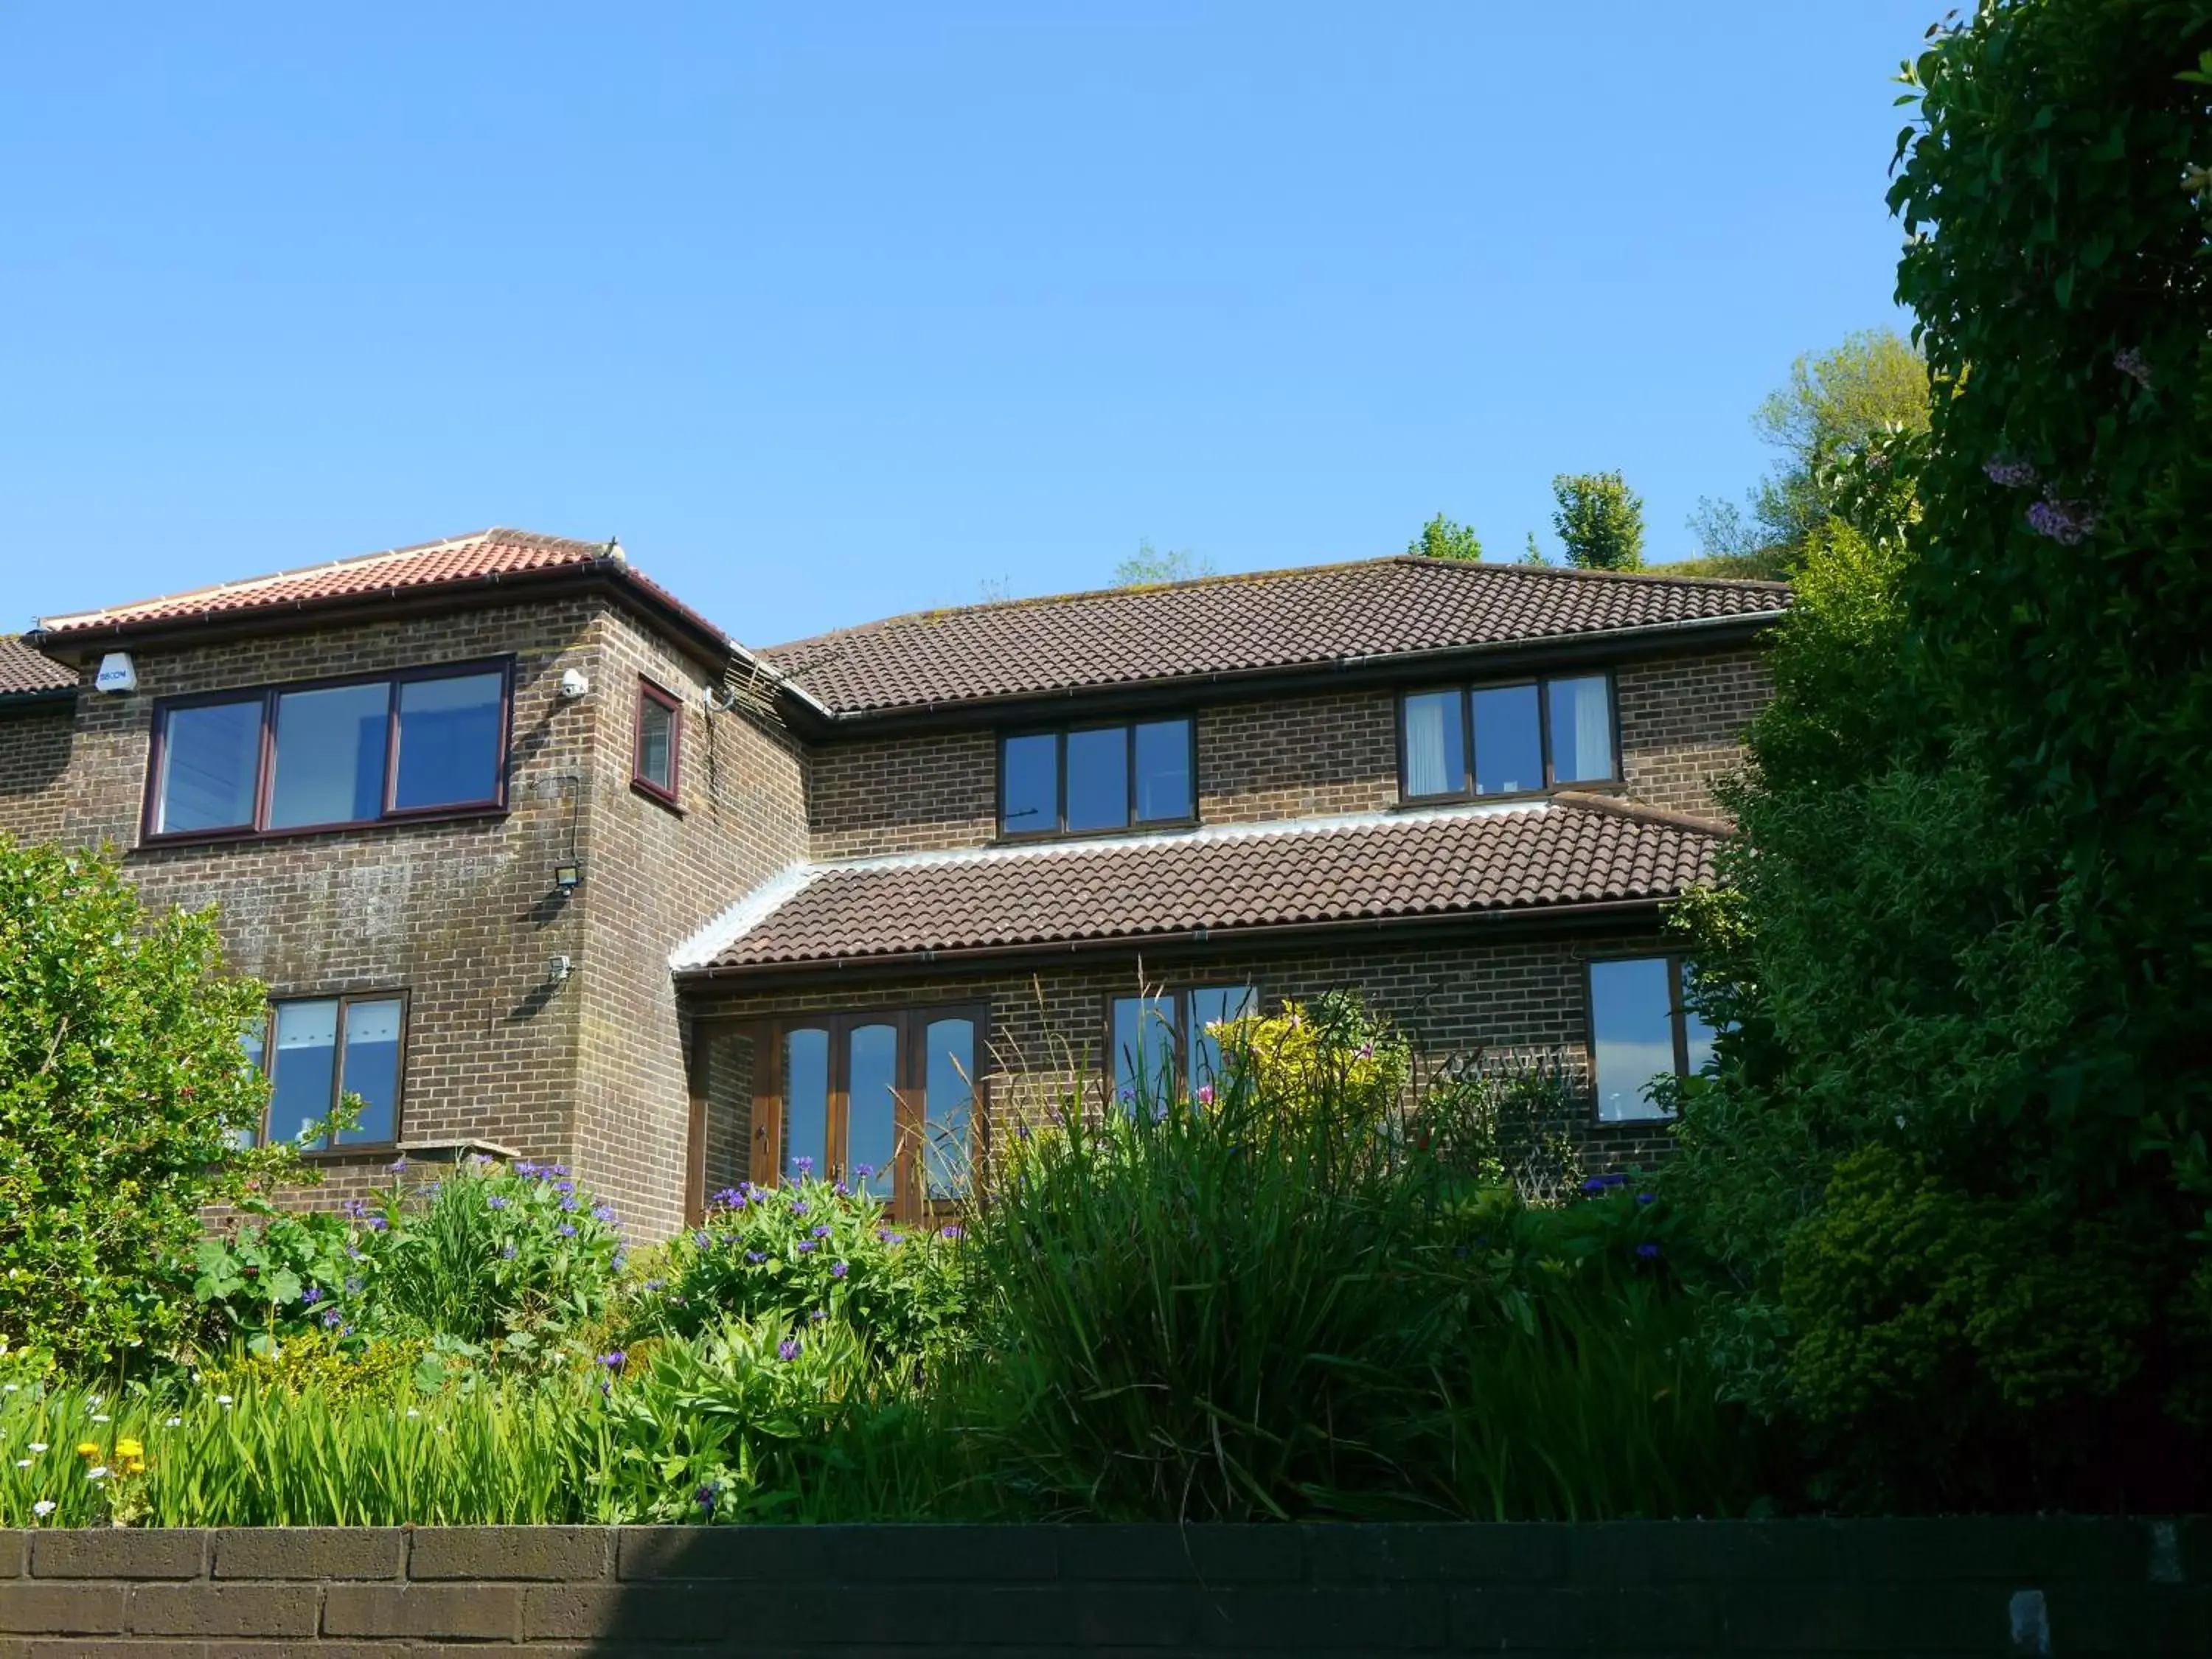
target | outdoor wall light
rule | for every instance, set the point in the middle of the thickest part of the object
(567, 877)
(558, 969)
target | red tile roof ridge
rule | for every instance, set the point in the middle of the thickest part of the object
(1422, 560)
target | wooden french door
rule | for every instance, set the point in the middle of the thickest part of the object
(888, 1101)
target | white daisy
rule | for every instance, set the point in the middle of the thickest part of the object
(44, 1507)
(99, 1473)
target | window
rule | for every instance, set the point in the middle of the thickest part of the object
(894, 1092)
(329, 753)
(1641, 1028)
(1507, 739)
(1160, 1044)
(1092, 779)
(659, 732)
(316, 1050)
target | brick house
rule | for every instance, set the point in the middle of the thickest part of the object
(536, 860)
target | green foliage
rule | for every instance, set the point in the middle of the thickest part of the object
(1869, 389)
(1600, 520)
(122, 1082)
(1148, 566)
(814, 1246)
(1336, 1057)
(1533, 554)
(1511, 1127)
(1444, 538)
(323, 1364)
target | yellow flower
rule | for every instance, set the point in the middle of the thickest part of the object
(127, 1448)
(86, 1449)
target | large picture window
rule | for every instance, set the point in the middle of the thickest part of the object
(1092, 779)
(315, 1050)
(1462, 742)
(885, 1101)
(1641, 1028)
(329, 753)
(1162, 1044)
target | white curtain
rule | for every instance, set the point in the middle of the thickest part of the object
(1593, 733)
(1426, 773)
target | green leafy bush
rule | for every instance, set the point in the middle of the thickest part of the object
(122, 1082)
(812, 1249)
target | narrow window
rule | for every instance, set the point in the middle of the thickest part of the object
(1582, 730)
(948, 1106)
(449, 742)
(210, 767)
(806, 1101)
(1509, 740)
(316, 1050)
(329, 755)
(1436, 745)
(872, 1103)
(1210, 1006)
(1094, 779)
(1165, 1043)
(1641, 1028)
(659, 727)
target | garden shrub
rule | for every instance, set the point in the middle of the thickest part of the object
(1333, 1057)
(811, 1247)
(122, 1083)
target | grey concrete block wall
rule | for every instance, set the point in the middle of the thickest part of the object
(2094, 1588)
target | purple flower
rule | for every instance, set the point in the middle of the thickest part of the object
(818, 1315)
(1128, 1096)
(613, 1361)
(730, 1199)
(524, 1167)
(312, 1295)
(2013, 475)
(397, 1166)
(787, 1349)
(604, 1213)
(703, 1238)
(568, 1230)
(655, 1284)
(1648, 1252)
(507, 1253)
(1206, 1094)
(1598, 1183)
(2067, 523)
(756, 1256)
(865, 1171)
(570, 1205)
(803, 1166)
(706, 1496)
(353, 1287)
(377, 1224)
(566, 1189)
(952, 1234)
(839, 1269)
(798, 1206)
(331, 1316)
(496, 1202)
(1645, 1198)
(355, 1208)
(807, 1245)
(821, 1232)
(2131, 363)
(355, 1255)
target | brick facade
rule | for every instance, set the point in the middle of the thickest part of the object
(34, 754)
(1682, 722)
(914, 792)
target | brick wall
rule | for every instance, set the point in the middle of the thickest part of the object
(652, 876)
(2069, 1588)
(34, 752)
(1517, 1000)
(1682, 723)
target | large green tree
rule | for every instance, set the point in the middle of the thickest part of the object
(1600, 520)
(1445, 538)
(1953, 1161)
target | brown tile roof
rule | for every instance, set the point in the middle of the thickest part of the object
(1280, 619)
(483, 557)
(25, 673)
(1262, 876)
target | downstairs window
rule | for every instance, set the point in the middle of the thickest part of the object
(1641, 1028)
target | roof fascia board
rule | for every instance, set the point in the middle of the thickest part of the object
(15, 700)
(604, 576)
(1290, 936)
(1376, 669)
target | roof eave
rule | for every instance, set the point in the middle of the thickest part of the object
(58, 694)
(1486, 922)
(1374, 668)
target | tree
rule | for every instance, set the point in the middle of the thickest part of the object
(1147, 565)
(1533, 554)
(1443, 539)
(1834, 405)
(1601, 521)
(122, 1082)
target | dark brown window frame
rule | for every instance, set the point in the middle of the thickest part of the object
(1465, 691)
(671, 793)
(264, 775)
(345, 1000)
(1180, 991)
(1678, 1007)
(909, 1118)
(1133, 824)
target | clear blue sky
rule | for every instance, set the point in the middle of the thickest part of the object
(836, 310)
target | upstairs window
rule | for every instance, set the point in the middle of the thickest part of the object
(1090, 779)
(659, 732)
(1641, 1028)
(329, 753)
(1467, 742)
(316, 1050)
